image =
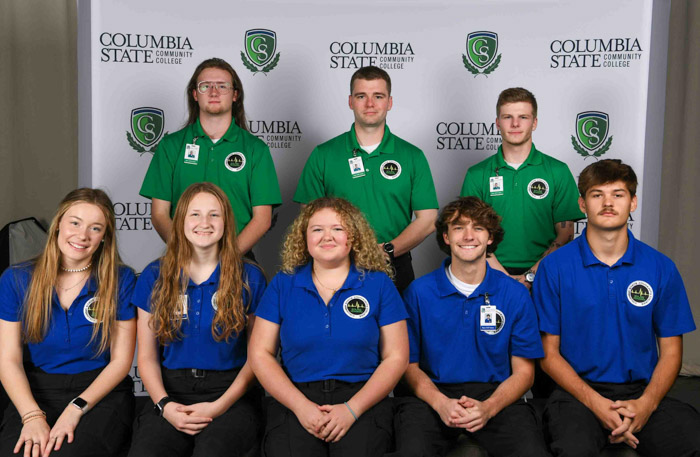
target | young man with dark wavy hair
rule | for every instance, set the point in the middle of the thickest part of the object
(473, 340)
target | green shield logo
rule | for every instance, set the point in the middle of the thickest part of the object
(147, 125)
(592, 129)
(260, 45)
(482, 48)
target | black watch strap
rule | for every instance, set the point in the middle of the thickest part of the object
(160, 406)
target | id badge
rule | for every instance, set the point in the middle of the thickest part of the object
(357, 168)
(496, 185)
(184, 305)
(191, 153)
(487, 318)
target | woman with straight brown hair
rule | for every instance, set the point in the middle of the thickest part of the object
(195, 308)
(71, 307)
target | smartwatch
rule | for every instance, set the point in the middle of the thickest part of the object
(530, 276)
(80, 404)
(160, 406)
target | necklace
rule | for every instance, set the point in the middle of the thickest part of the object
(76, 270)
(69, 288)
(313, 273)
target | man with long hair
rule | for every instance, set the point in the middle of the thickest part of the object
(215, 146)
(612, 314)
(473, 337)
(534, 193)
(386, 177)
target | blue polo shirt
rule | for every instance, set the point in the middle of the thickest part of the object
(66, 348)
(444, 327)
(339, 341)
(197, 348)
(608, 317)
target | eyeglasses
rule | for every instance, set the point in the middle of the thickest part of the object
(205, 86)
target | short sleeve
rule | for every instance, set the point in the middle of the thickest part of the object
(423, 194)
(672, 315)
(13, 287)
(158, 182)
(127, 281)
(525, 335)
(565, 205)
(269, 306)
(391, 309)
(472, 184)
(411, 301)
(547, 299)
(264, 186)
(257, 283)
(141, 297)
(311, 185)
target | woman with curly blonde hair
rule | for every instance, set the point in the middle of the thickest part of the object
(195, 308)
(69, 310)
(341, 325)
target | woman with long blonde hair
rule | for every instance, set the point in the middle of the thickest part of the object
(195, 308)
(341, 325)
(71, 308)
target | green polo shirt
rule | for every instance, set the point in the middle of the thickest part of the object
(240, 163)
(387, 185)
(531, 199)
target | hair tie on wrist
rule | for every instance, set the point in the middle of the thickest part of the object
(351, 411)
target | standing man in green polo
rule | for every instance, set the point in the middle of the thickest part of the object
(534, 193)
(386, 177)
(215, 146)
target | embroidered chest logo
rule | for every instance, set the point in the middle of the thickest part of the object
(500, 322)
(640, 293)
(235, 161)
(214, 304)
(538, 188)
(390, 169)
(356, 307)
(89, 310)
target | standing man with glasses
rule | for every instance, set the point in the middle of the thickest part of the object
(386, 177)
(215, 146)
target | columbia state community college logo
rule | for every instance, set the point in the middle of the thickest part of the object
(640, 293)
(592, 128)
(356, 307)
(89, 310)
(235, 161)
(147, 126)
(481, 58)
(390, 169)
(260, 46)
(538, 188)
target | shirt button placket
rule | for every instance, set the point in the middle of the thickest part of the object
(611, 286)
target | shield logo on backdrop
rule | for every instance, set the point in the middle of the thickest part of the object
(481, 57)
(146, 128)
(260, 45)
(592, 128)
(482, 47)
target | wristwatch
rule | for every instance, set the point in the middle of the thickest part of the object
(160, 406)
(80, 404)
(530, 276)
(389, 249)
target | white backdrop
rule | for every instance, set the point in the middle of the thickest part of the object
(576, 57)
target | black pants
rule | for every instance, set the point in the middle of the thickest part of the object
(403, 268)
(370, 436)
(672, 430)
(421, 433)
(105, 430)
(232, 434)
